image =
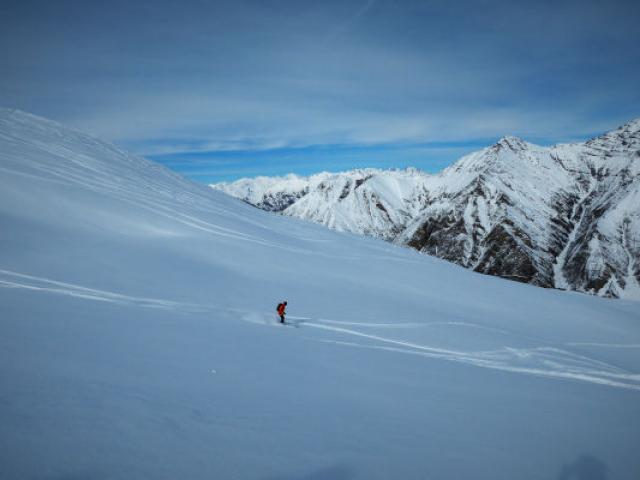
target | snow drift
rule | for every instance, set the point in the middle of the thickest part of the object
(138, 339)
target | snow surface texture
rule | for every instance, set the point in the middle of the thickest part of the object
(565, 217)
(138, 339)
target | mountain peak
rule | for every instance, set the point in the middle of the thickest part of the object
(623, 138)
(632, 126)
(512, 143)
(628, 129)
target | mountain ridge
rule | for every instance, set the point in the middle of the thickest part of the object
(563, 216)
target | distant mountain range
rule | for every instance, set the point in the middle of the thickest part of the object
(566, 216)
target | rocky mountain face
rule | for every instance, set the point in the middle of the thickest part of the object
(566, 216)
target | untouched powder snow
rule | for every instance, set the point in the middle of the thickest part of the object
(138, 339)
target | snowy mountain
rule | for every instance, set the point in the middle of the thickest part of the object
(138, 339)
(567, 216)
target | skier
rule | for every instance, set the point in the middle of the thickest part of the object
(281, 310)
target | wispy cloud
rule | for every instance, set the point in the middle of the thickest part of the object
(343, 26)
(223, 77)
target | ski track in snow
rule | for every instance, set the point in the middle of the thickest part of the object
(362, 324)
(596, 377)
(543, 361)
(9, 279)
(540, 361)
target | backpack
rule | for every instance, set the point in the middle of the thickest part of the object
(278, 307)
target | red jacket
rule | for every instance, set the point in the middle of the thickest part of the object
(281, 308)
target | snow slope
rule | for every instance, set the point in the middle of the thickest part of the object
(138, 340)
(566, 216)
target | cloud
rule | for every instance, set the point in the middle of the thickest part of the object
(344, 26)
(228, 76)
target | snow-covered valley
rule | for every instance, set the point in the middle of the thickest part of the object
(566, 216)
(138, 339)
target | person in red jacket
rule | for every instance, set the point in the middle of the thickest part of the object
(281, 310)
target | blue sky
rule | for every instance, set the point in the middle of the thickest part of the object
(221, 90)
